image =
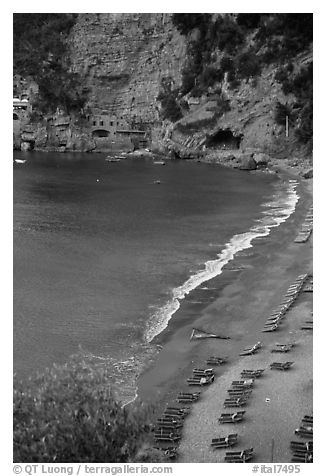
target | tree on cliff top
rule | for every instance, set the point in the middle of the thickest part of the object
(68, 414)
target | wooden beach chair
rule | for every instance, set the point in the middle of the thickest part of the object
(231, 417)
(283, 348)
(251, 350)
(225, 442)
(216, 360)
(304, 431)
(252, 373)
(182, 412)
(170, 419)
(235, 402)
(303, 446)
(165, 421)
(248, 383)
(308, 326)
(270, 327)
(167, 437)
(302, 458)
(307, 420)
(203, 372)
(239, 456)
(200, 380)
(281, 365)
(188, 397)
(237, 393)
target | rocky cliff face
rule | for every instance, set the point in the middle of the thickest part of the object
(123, 58)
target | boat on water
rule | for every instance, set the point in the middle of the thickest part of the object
(157, 181)
(113, 159)
(159, 162)
(19, 161)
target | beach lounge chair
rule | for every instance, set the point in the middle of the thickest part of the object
(302, 458)
(304, 446)
(167, 437)
(270, 328)
(236, 393)
(172, 417)
(169, 414)
(252, 373)
(231, 417)
(216, 360)
(307, 420)
(166, 425)
(235, 402)
(304, 431)
(248, 383)
(283, 347)
(251, 350)
(188, 397)
(308, 326)
(239, 456)
(181, 411)
(200, 380)
(281, 365)
(203, 372)
(225, 442)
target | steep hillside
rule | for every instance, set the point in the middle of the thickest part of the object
(123, 57)
(194, 83)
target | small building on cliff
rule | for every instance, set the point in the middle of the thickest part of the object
(109, 131)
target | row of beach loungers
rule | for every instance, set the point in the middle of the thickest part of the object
(278, 314)
(306, 228)
(168, 427)
(238, 395)
(302, 451)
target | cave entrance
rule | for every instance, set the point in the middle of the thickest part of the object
(100, 133)
(224, 139)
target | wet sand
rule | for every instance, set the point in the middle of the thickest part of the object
(237, 303)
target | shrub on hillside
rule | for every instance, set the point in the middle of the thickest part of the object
(167, 97)
(210, 76)
(68, 414)
(229, 35)
(186, 22)
(249, 20)
(227, 64)
(280, 112)
(248, 65)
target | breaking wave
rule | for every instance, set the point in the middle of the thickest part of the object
(275, 211)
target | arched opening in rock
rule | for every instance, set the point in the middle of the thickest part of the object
(224, 139)
(100, 133)
(15, 117)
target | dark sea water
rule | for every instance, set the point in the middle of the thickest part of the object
(103, 256)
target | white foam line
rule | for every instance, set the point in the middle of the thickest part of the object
(213, 268)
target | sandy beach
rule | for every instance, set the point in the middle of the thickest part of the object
(238, 302)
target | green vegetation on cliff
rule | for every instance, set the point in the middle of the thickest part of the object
(68, 414)
(249, 42)
(41, 51)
